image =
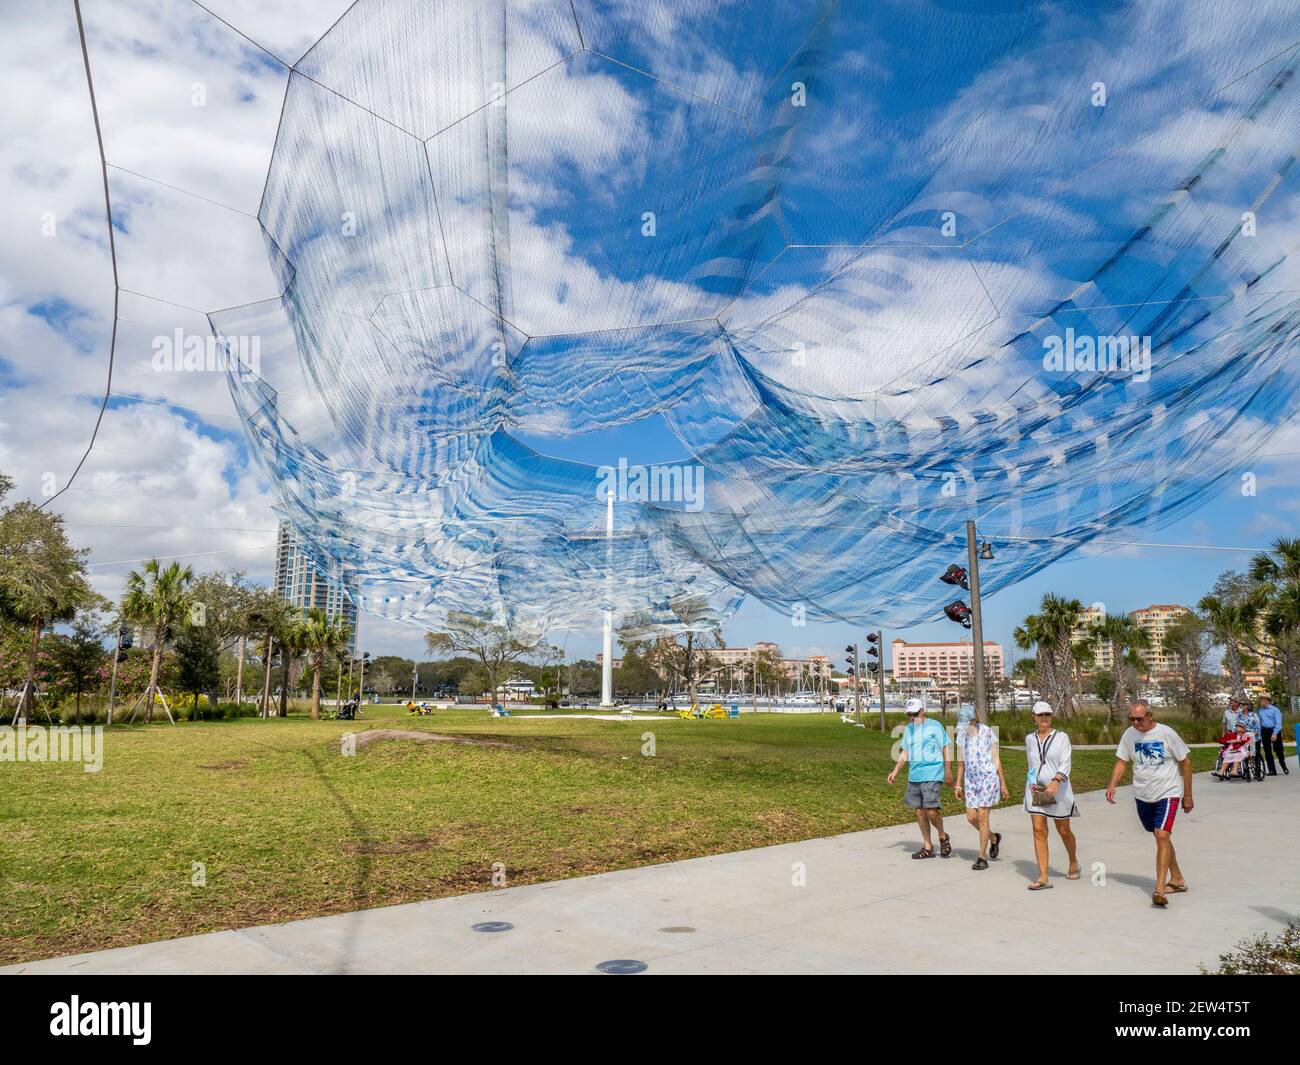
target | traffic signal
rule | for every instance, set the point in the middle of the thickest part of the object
(959, 612)
(955, 574)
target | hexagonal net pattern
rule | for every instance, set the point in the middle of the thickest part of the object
(872, 269)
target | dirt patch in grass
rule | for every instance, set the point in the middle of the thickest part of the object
(375, 735)
(394, 846)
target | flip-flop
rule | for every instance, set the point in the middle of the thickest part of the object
(1040, 887)
(995, 845)
(1074, 875)
(1158, 899)
(1177, 889)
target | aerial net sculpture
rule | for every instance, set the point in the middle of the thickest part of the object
(874, 270)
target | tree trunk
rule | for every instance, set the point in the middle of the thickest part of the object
(29, 682)
(286, 679)
(266, 676)
(317, 666)
(1119, 682)
(1232, 660)
(153, 678)
(691, 684)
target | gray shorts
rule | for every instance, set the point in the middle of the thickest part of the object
(922, 794)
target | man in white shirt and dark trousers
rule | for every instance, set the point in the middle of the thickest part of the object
(1162, 782)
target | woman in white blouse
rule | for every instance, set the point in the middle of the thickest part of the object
(1048, 793)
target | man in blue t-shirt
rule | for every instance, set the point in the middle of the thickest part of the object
(927, 752)
(1270, 724)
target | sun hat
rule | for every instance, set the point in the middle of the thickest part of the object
(965, 712)
(914, 706)
(1041, 707)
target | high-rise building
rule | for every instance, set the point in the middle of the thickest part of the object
(298, 583)
(1155, 621)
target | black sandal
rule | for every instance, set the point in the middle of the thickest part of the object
(980, 863)
(924, 852)
(945, 847)
(995, 845)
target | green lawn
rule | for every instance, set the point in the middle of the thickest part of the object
(287, 827)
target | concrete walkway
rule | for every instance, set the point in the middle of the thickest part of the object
(866, 907)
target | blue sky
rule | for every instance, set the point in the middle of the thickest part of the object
(904, 124)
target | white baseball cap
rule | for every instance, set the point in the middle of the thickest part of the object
(914, 706)
(1041, 707)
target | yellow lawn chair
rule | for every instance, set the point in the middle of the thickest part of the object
(687, 713)
(716, 711)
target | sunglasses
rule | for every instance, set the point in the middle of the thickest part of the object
(1136, 720)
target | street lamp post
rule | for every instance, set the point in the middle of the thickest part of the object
(977, 621)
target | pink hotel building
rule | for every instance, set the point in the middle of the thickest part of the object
(947, 664)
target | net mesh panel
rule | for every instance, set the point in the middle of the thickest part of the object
(826, 246)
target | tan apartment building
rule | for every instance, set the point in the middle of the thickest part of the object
(1101, 654)
(1155, 620)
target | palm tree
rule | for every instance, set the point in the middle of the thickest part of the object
(1233, 626)
(322, 636)
(1050, 633)
(42, 579)
(1033, 636)
(1125, 638)
(1277, 571)
(270, 616)
(159, 599)
(293, 644)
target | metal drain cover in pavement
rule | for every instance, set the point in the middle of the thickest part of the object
(493, 926)
(678, 928)
(622, 967)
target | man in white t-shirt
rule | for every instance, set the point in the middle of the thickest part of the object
(1162, 781)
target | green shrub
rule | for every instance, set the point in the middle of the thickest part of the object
(1264, 956)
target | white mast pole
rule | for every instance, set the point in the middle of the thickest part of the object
(607, 663)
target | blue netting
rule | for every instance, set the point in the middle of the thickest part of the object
(829, 246)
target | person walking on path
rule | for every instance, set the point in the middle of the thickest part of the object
(1251, 717)
(1048, 793)
(927, 753)
(1270, 723)
(1162, 782)
(979, 777)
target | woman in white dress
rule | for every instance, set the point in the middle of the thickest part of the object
(1048, 793)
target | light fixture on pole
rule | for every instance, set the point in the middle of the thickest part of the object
(876, 648)
(973, 556)
(851, 653)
